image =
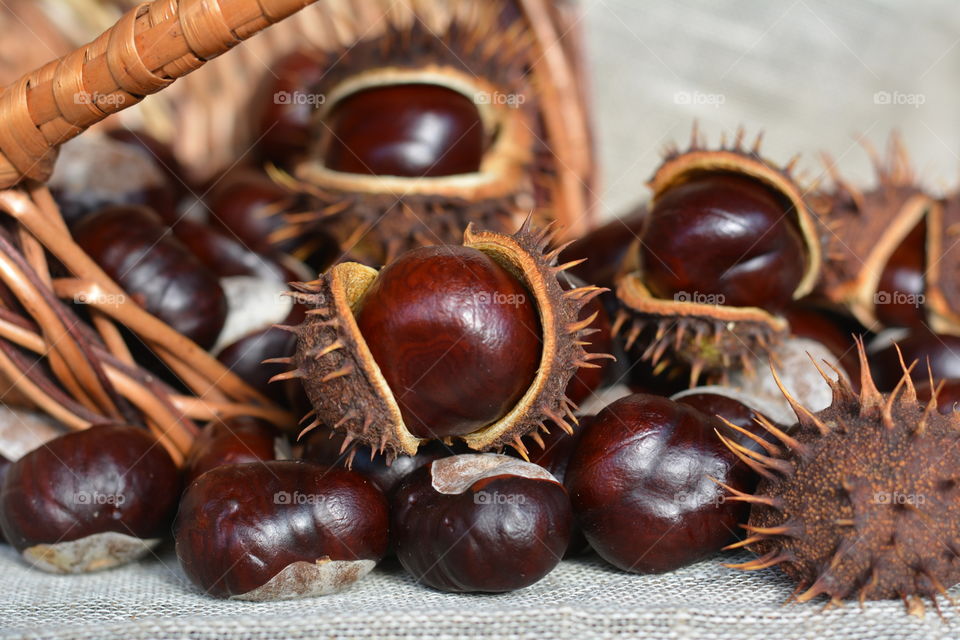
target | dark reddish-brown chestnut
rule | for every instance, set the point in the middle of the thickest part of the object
(480, 522)
(138, 250)
(723, 236)
(901, 289)
(410, 130)
(231, 441)
(90, 499)
(456, 336)
(280, 529)
(941, 351)
(642, 484)
(223, 254)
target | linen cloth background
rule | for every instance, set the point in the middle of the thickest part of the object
(813, 74)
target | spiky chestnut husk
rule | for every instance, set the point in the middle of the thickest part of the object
(479, 53)
(348, 390)
(861, 231)
(858, 501)
(711, 338)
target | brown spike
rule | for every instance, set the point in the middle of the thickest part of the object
(347, 439)
(574, 327)
(283, 360)
(307, 429)
(695, 370)
(618, 322)
(929, 409)
(842, 391)
(288, 328)
(307, 416)
(339, 373)
(791, 164)
(635, 330)
(804, 415)
(789, 529)
(287, 375)
(887, 412)
(579, 292)
(568, 265)
(845, 522)
(777, 464)
(870, 398)
(536, 438)
(521, 448)
(768, 446)
(343, 420)
(763, 471)
(740, 496)
(745, 542)
(792, 443)
(763, 562)
(757, 142)
(910, 395)
(330, 348)
(558, 420)
(738, 138)
(818, 587)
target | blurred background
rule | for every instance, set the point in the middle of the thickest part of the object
(814, 75)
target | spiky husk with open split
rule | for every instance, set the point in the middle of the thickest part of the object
(484, 49)
(860, 499)
(860, 231)
(711, 338)
(349, 393)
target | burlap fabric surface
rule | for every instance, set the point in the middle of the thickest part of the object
(811, 73)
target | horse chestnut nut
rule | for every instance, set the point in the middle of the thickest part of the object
(280, 529)
(642, 484)
(90, 499)
(726, 236)
(480, 522)
(456, 336)
(231, 441)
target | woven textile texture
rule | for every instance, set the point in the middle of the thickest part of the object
(812, 74)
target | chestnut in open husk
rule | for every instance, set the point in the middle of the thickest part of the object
(727, 243)
(643, 481)
(939, 352)
(280, 529)
(476, 342)
(90, 499)
(480, 522)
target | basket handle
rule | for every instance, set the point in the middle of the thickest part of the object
(148, 48)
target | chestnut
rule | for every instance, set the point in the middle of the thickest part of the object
(605, 248)
(724, 237)
(246, 204)
(90, 499)
(902, 286)
(940, 351)
(231, 441)
(456, 336)
(222, 254)
(834, 331)
(280, 529)
(480, 522)
(643, 483)
(135, 248)
(409, 130)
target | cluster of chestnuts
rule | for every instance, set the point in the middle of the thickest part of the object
(691, 378)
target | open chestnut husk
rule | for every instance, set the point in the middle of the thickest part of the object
(487, 383)
(644, 482)
(727, 243)
(90, 500)
(480, 522)
(280, 529)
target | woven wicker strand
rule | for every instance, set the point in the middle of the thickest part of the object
(150, 47)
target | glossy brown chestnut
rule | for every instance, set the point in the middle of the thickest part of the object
(722, 236)
(246, 356)
(244, 205)
(641, 488)
(735, 412)
(410, 130)
(326, 447)
(280, 529)
(940, 350)
(139, 252)
(90, 499)
(231, 441)
(900, 292)
(480, 522)
(456, 336)
(834, 331)
(605, 248)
